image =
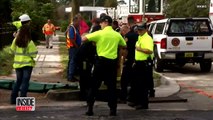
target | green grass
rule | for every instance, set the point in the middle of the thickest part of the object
(6, 61)
(64, 55)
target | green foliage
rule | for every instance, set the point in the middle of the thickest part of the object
(110, 3)
(181, 8)
(38, 10)
(6, 63)
(64, 54)
(64, 25)
(5, 11)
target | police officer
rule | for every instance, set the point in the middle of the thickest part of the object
(140, 82)
(107, 41)
(131, 38)
(86, 59)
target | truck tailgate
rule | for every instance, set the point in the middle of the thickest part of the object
(195, 43)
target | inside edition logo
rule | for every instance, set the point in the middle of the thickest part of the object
(25, 104)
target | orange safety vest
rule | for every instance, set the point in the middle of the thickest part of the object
(69, 43)
(48, 29)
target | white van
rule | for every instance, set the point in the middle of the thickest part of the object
(182, 40)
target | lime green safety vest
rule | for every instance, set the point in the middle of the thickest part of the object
(24, 56)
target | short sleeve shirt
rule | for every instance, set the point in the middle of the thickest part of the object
(132, 39)
(107, 42)
(146, 42)
(75, 33)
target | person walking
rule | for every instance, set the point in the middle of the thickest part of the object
(73, 43)
(131, 38)
(25, 50)
(107, 41)
(49, 30)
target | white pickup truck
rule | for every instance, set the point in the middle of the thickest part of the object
(182, 40)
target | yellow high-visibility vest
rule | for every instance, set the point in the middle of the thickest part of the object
(24, 56)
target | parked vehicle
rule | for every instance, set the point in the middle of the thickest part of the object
(182, 40)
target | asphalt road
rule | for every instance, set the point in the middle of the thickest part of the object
(76, 113)
(196, 87)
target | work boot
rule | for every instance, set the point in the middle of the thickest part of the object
(90, 111)
(152, 93)
(138, 107)
(131, 104)
(112, 112)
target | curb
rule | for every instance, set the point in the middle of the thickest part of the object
(167, 88)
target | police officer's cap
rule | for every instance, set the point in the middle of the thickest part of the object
(106, 19)
(142, 26)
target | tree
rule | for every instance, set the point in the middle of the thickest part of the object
(75, 7)
(181, 8)
(110, 3)
(5, 11)
(38, 10)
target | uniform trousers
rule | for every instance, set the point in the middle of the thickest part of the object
(104, 70)
(125, 78)
(151, 79)
(139, 84)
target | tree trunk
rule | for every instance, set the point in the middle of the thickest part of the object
(75, 8)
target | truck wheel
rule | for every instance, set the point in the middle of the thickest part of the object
(205, 66)
(158, 63)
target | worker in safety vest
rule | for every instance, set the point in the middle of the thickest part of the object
(49, 30)
(25, 51)
(73, 43)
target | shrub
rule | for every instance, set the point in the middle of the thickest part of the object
(64, 25)
(6, 63)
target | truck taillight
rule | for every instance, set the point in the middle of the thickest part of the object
(163, 44)
(212, 42)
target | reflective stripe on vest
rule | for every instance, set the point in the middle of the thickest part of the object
(69, 43)
(49, 29)
(26, 54)
(18, 62)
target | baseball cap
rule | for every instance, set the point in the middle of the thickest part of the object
(102, 15)
(106, 19)
(24, 18)
(141, 26)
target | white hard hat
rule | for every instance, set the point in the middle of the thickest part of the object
(24, 17)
